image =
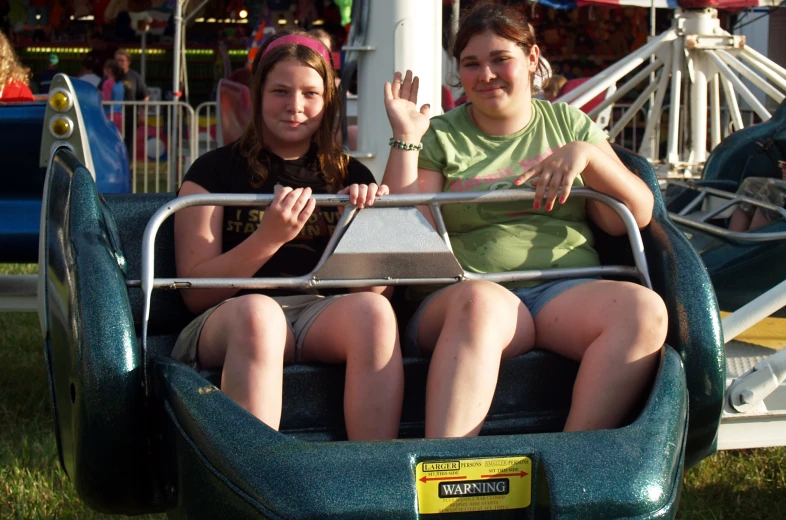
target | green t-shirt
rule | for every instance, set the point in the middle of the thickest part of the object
(501, 237)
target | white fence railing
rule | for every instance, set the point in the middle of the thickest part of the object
(171, 135)
(161, 138)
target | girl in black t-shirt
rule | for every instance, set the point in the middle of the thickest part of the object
(288, 148)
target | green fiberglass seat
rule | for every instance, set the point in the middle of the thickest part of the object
(140, 432)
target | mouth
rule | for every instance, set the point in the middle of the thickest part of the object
(490, 90)
(292, 124)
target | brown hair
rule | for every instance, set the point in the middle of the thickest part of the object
(114, 68)
(10, 67)
(332, 161)
(123, 52)
(506, 21)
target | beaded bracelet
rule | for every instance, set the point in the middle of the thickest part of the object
(405, 146)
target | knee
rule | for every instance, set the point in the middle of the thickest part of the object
(480, 300)
(647, 311)
(374, 330)
(258, 325)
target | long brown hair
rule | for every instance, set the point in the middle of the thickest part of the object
(332, 161)
(10, 67)
(506, 21)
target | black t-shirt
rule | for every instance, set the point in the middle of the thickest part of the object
(134, 86)
(225, 171)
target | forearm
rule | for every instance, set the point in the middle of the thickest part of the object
(401, 171)
(607, 175)
(242, 261)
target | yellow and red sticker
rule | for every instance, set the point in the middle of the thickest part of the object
(462, 485)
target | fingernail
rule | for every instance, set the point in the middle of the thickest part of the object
(536, 205)
(549, 206)
(562, 200)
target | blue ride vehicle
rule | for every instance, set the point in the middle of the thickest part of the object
(28, 134)
(138, 432)
(742, 265)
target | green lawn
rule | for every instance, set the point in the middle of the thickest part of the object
(749, 484)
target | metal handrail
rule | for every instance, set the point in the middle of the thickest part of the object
(433, 200)
(734, 199)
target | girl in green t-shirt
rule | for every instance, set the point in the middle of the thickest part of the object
(502, 138)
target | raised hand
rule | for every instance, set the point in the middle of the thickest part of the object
(362, 195)
(287, 214)
(401, 97)
(556, 173)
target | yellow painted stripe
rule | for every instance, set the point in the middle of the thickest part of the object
(770, 332)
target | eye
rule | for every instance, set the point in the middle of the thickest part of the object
(500, 59)
(279, 91)
(470, 64)
(312, 94)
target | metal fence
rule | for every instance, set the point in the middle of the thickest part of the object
(161, 138)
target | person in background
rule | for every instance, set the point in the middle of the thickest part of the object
(748, 217)
(135, 90)
(553, 86)
(87, 74)
(112, 90)
(13, 77)
(45, 78)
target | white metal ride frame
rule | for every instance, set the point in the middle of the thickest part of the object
(711, 59)
(754, 413)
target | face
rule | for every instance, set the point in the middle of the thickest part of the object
(292, 103)
(495, 73)
(123, 61)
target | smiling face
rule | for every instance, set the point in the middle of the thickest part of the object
(496, 74)
(292, 107)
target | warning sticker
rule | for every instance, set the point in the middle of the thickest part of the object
(456, 486)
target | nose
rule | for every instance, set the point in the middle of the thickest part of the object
(296, 102)
(486, 74)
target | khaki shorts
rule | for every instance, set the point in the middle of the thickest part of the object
(301, 311)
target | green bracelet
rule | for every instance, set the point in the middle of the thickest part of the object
(405, 146)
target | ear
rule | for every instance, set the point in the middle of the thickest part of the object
(533, 59)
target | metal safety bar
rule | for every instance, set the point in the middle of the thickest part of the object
(733, 200)
(433, 200)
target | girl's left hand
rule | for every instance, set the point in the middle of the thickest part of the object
(362, 195)
(557, 172)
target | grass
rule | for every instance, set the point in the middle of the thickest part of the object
(748, 484)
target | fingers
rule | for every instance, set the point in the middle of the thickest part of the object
(362, 195)
(413, 92)
(553, 189)
(406, 86)
(527, 175)
(403, 86)
(396, 87)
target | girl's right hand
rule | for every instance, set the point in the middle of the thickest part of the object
(287, 214)
(401, 98)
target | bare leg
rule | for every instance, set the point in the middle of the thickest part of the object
(360, 330)
(758, 220)
(739, 221)
(617, 338)
(249, 336)
(471, 327)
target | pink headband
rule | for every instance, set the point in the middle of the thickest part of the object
(299, 39)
